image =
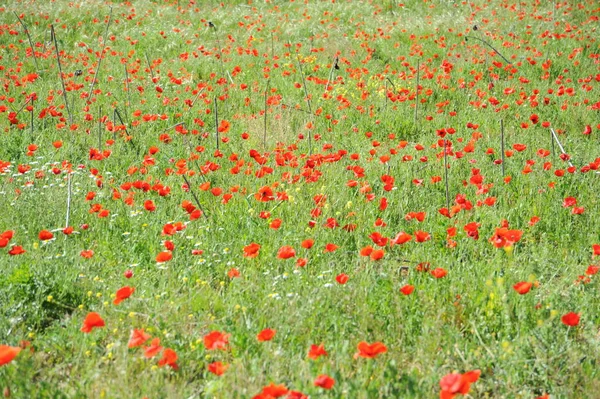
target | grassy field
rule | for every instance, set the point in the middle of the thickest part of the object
(334, 199)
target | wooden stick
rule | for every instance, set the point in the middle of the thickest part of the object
(417, 93)
(101, 56)
(446, 171)
(32, 119)
(127, 88)
(100, 128)
(265, 118)
(335, 61)
(490, 46)
(30, 41)
(68, 199)
(216, 122)
(62, 80)
(194, 195)
(560, 145)
(502, 144)
(307, 100)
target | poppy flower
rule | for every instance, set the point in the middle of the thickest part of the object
(8, 353)
(273, 391)
(16, 250)
(286, 252)
(439, 272)
(251, 250)
(216, 340)
(45, 235)
(123, 293)
(149, 206)
(570, 319)
(164, 256)
(153, 349)
(266, 335)
(301, 262)
(342, 278)
(370, 350)
(264, 194)
(324, 381)
(296, 395)
(366, 251)
(401, 238)
(454, 384)
(217, 368)
(308, 243)
(377, 254)
(86, 253)
(92, 320)
(169, 358)
(316, 351)
(330, 247)
(596, 249)
(592, 270)
(137, 338)
(522, 287)
(569, 202)
(422, 236)
(233, 273)
(407, 289)
(224, 126)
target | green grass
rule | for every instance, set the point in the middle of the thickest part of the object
(471, 319)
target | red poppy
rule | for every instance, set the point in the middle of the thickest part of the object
(570, 319)
(407, 289)
(522, 287)
(217, 368)
(401, 238)
(330, 247)
(273, 391)
(164, 256)
(251, 250)
(370, 350)
(123, 293)
(377, 254)
(8, 353)
(275, 224)
(316, 351)
(422, 236)
(92, 320)
(592, 270)
(286, 252)
(169, 358)
(342, 278)
(366, 251)
(454, 384)
(301, 262)
(324, 381)
(153, 349)
(266, 335)
(596, 249)
(45, 235)
(569, 202)
(308, 243)
(86, 253)
(233, 273)
(137, 338)
(149, 206)
(216, 340)
(439, 272)
(224, 126)
(16, 250)
(264, 194)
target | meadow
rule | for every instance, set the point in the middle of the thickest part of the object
(293, 199)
